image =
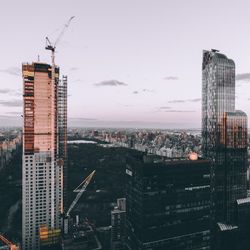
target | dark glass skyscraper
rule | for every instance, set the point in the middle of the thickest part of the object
(118, 220)
(62, 121)
(224, 133)
(167, 204)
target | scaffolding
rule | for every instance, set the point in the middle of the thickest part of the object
(62, 132)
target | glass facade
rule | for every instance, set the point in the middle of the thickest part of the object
(224, 134)
(62, 133)
(167, 204)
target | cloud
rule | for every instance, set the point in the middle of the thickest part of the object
(185, 100)
(128, 105)
(144, 90)
(14, 71)
(11, 103)
(176, 101)
(125, 105)
(164, 107)
(11, 92)
(5, 91)
(14, 113)
(243, 77)
(148, 90)
(73, 69)
(83, 119)
(114, 83)
(194, 100)
(171, 78)
(77, 80)
(168, 109)
(179, 111)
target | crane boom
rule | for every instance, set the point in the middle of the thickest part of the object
(52, 47)
(63, 30)
(80, 191)
(8, 243)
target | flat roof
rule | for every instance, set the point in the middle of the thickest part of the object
(243, 201)
(226, 227)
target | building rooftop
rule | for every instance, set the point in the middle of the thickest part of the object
(171, 161)
(243, 201)
(213, 55)
(117, 211)
(237, 113)
(226, 227)
(222, 56)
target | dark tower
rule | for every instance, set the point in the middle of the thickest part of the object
(224, 134)
(62, 133)
(167, 204)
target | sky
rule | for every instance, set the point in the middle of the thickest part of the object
(130, 63)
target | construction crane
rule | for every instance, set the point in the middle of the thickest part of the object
(8, 243)
(50, 46)
(80, 190)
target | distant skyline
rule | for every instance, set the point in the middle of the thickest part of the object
(130, 63)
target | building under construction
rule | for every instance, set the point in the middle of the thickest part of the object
(44, 154)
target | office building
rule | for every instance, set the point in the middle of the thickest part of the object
(42, 170)
(118, 218)
(224, 135)
(167, 204)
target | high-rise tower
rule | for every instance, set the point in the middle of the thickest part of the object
(62, 133)
(224, 134)
(167, 204)
(118, 220)
(42, 169)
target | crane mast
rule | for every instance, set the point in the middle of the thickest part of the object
(52, 48)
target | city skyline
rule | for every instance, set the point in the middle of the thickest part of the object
(151, 98)
(124, 65)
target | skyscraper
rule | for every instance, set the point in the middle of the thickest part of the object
(224, 134)
(42, 170)
(118, 217)
(62, 133)
(167, 204)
